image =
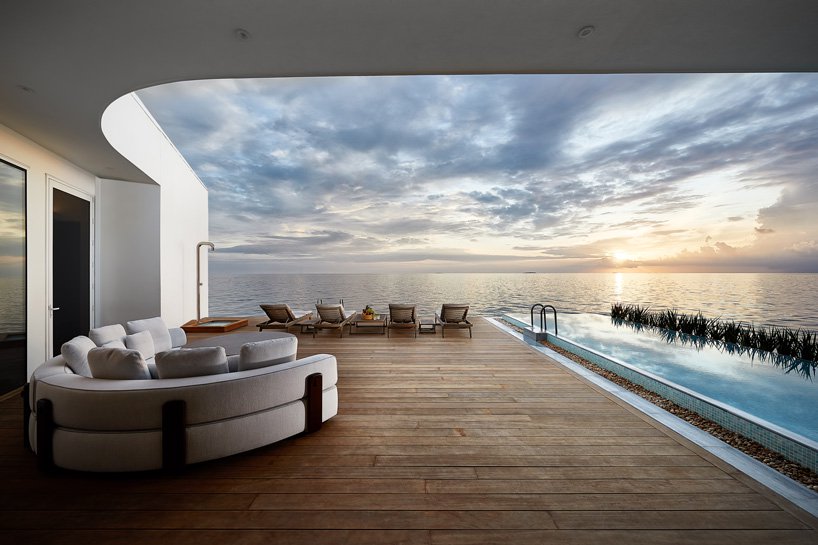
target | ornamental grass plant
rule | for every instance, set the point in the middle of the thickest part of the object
(790, 343)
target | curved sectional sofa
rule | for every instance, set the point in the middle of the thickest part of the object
(92, 424)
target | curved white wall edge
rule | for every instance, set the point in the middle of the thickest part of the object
(183, 213)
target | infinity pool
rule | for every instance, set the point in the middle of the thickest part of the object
(757, 387)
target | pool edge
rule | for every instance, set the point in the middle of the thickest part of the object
(789, 489)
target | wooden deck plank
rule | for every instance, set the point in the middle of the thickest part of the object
(220, 537)
(525, 502)
(407, 520)
(722, 520)
(631, 537)
(284, 520)
(485, 450)
(449, 441)
(586, 486)
(602, 472)
(458, 440)
(578, 462)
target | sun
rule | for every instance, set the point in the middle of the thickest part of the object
(619, 256)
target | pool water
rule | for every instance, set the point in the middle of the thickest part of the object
(218, 323)
(752, 384)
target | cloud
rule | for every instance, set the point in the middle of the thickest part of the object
(274, 244)
(572, 167)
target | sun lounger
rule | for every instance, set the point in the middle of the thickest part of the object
(281, 316)
(453, 316)
(331, 317)
(402, 317)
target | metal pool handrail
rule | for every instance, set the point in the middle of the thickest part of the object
(543, 321)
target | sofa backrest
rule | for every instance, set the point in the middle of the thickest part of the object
(85, 403)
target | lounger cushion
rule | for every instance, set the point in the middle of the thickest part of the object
(106, 334)
(158, 329)
(265, 353)
(75, 353)
(143, 342)
(191, 362)
(117, 364)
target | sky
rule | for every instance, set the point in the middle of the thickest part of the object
(504, 173)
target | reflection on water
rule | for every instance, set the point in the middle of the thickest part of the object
(12, 305)
(12, 276)
(619, 285)
(756, 386)
(770, 299)
(803, 368)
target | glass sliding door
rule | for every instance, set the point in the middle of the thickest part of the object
(12, 277)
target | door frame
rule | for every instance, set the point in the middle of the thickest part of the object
(53, 183)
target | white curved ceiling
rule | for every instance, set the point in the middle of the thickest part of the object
(63, 62)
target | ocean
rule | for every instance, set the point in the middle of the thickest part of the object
(789, 300)
(12, 305)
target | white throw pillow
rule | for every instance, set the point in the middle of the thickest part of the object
(105, 334)
(114, 344)
(265, 353)
(158, 329)
(143, 342)
(117, 364)
(191, 362)
(75, 353)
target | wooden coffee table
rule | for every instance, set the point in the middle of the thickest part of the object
(359, 324)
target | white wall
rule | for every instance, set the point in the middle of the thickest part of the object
(183, 219)
(39, 164)
(146, 235)
(128, 262)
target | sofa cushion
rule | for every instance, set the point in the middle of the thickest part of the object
(106, 334)
(117, 364)
(233, 363)
(265, 353)
(75, 353)
(143, 342)
(191, 362)
(158, 329)
(178, 337)
(114, 344)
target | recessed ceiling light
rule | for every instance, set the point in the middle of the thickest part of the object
(585, 31)
(241, 34)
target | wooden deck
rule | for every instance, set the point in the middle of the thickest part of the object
(444, 441)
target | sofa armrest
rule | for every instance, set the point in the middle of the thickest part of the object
(178, 337)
